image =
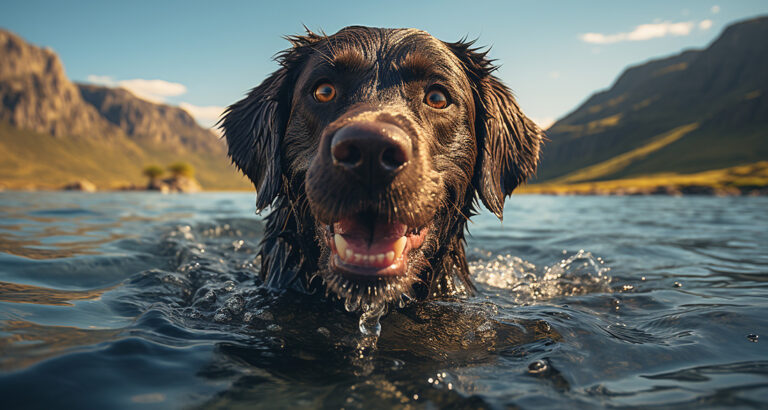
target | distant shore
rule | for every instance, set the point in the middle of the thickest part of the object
(743, 180)
(669, 190)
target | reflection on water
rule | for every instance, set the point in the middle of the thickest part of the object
(30, 343)
(18, 293)
(149, 301)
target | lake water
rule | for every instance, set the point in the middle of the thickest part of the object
(140, 300)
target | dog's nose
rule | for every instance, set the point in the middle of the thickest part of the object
(374, 151)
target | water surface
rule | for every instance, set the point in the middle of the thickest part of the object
(134, 300)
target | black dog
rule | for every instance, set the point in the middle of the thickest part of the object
(370, 147)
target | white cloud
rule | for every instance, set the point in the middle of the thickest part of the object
(156, 91)
(544, 123)
(641, 33)
(554, 75)
(705, 24)
(101, 79)
(205, 115)
(153, 90)
(715, 9)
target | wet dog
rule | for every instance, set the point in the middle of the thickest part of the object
(371, 148)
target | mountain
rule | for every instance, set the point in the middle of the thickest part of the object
(53, 131)
(37, 95)
(696, 111)
(148, 122)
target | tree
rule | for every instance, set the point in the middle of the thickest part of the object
(153, 172)
(181, 169)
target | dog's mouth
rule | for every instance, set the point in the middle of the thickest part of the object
(367, 247)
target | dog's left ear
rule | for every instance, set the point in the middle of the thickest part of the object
(508, 141)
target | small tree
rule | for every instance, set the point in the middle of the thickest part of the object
(181, 169)
(153, 172)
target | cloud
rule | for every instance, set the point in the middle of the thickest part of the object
(641, 33)
(205, 115)
(705, 24)
(715, 9)
(153, 90)
(554, 75)
(101, 79)
(156, 91)
(544, 123)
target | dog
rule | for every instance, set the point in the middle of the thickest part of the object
(372, 148)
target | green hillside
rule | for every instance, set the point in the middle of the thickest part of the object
(35, 160)
(696, 111)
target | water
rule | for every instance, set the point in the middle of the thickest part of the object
(148, 301)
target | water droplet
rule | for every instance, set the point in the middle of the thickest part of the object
(369, 321)
(752, 337)
(351, 305)
(537, 367)
(678, 285)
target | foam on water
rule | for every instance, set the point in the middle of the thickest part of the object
(578, 274)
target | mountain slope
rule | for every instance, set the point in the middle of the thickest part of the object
(53, 131)
(37, 95)
(721, 89)
(146, 121)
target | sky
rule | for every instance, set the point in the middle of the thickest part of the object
(204, 55)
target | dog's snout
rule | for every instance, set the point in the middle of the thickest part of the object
(373, 151)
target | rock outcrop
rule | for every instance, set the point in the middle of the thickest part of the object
(37, 95)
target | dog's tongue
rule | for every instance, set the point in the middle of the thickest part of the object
(359, 228)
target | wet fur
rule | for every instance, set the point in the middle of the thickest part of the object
(485, 151)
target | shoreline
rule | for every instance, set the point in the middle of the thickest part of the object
(525, 190)
(689, 190)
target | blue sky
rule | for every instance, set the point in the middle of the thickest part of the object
(204, 55)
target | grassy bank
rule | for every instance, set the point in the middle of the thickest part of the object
(744, 179)
(38, 161)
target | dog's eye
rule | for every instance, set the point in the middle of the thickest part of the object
(436, 98)
(325, 92)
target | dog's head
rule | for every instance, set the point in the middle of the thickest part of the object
(384, 138)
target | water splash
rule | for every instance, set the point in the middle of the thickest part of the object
(578, 274)
(369, 320)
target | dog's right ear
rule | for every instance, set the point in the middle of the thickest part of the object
(254, 126)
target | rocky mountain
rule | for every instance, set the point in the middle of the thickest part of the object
(37, 95)
(695, 111)
(149, 122)
(54, 131)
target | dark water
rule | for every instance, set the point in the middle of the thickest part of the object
(150, 301)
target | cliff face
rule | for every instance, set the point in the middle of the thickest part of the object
(53, 131)
(37, 95)
(145, 121)
(716, 95)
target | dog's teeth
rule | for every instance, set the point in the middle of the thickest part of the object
(390, 257)
(380, 258)
(341, 245)
(348, 255)
(399, 246)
